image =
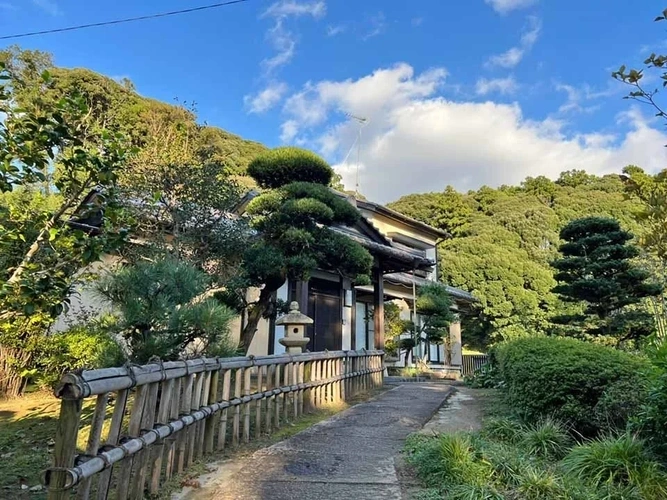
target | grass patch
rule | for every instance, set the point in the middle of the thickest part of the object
(27, 429)
(540, 460)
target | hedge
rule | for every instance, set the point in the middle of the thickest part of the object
(566, 379)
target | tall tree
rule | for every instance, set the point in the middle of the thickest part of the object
(292, 218)
(47, 253)
(596, 269)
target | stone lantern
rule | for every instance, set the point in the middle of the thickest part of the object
(295, 328)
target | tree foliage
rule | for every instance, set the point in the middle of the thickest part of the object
(162, 311)
(504, 239)
(596, 269)
(281, 166)
(43, 255)
(293, 221)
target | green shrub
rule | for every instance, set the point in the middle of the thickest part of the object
(281, 166)
(651, 420)
(563, 378)
(621, 462)
(548, 439)
(506, 461)
(620, 402)
(508, 430)
(539, 484)
(423, 453)
(459, 461)
(79, 347)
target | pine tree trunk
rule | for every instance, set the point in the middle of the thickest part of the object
(255, 314)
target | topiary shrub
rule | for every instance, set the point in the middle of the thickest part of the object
(282, 166)
(563, 378)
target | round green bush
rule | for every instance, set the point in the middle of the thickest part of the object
(564, 378)
(282, 166)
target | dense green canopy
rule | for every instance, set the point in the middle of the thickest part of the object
(505, 238)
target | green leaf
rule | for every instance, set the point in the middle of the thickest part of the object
(53, 232)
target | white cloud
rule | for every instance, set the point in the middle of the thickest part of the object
(418, 141)
(579, 99)
(48, 6)
(281, 38)
(514, 55)
(294, 8)
(378, 25)
(507, 59)
(417, 21)
(266, 98)
(336, 30)
(501, 85)
(289, 130)
(505, 6)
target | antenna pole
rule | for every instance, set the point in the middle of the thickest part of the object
(362, 122)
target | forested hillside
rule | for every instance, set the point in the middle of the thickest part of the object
(155, 127)
(504, 239)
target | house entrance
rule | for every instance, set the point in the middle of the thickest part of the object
(324, 306)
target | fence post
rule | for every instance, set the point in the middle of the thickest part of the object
(65, 448)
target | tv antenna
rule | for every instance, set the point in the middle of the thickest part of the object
(357, 141)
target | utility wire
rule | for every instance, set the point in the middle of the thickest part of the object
(121, 21)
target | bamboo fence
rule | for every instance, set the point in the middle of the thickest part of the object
(151, 422)
(473, 362)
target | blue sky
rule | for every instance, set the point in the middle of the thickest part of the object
(465, 93)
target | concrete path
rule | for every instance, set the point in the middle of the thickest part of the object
(463, 412)
(351, 455)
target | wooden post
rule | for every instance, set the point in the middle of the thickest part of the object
(201, 425)
(316, 389)
(226, 389)
(83, 491)
(171, 441)
(343, 385)
(286, 395)
(246, 406)
(339, 384)
(300, 380)
(308, 395)
(276, 384)
(329, 385)
(162, 418)
(142, 458)
(134, 429)
(112, 439)
(238, 393)
(191, 433)
(65, 448)
(258, 406)
(210, 421)
(181, 443)
(378, 306)
(295, 394)
(270, 377)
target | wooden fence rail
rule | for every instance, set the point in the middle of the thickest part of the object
(146, 423)
(473, 362)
